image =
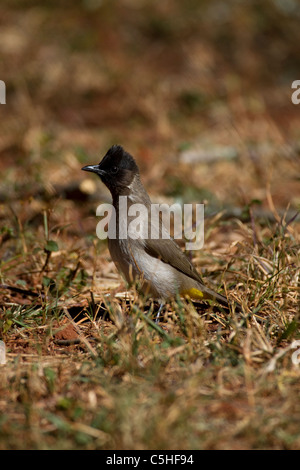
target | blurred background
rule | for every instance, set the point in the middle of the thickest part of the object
(198, 91)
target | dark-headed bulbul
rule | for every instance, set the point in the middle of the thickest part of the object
(158, 264)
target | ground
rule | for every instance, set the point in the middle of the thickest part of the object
(200, 94)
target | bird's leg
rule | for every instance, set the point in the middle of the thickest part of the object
(158, 313)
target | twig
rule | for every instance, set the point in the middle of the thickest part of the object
(22, 291)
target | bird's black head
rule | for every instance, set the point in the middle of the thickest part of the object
(117, 170)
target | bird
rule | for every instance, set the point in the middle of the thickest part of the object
(156, 264)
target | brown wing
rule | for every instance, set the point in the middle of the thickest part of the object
(169, 252)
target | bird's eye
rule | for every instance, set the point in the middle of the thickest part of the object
(114, 169)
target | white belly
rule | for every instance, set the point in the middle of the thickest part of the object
(135, 264)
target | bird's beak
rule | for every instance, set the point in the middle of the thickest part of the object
(93, 169)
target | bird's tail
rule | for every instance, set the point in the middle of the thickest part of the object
(206, 293)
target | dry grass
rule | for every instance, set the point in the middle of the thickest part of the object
(93, 371)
